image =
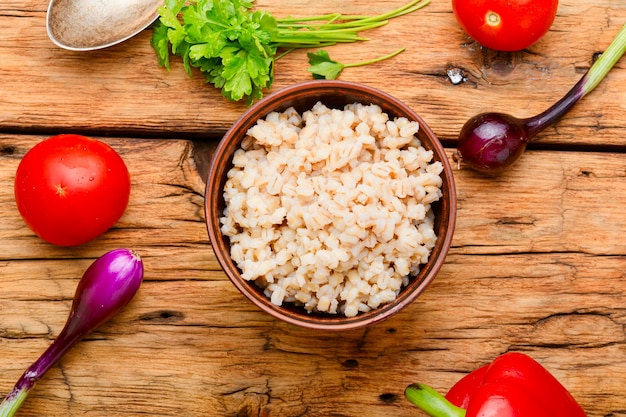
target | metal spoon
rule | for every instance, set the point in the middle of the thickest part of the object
(84, 25)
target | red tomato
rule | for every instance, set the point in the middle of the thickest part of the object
(505, 25)
(70, 189)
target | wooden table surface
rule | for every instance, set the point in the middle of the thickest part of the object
(537, 262)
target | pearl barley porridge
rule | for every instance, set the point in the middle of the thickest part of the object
(330, 209)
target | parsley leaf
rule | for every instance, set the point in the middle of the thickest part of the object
(324, 67)
(236, 48)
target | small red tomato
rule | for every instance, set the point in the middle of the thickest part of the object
(70, 189)
(505, 25)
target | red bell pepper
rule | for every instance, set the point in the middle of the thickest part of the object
(513, 385)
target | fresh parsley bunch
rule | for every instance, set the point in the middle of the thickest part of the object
(236, 47)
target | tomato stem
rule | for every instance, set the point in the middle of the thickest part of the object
(492, 18)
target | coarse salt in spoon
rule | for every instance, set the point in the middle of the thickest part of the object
(84, 25)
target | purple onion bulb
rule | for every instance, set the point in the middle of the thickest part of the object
(492, 142)
(106, 287)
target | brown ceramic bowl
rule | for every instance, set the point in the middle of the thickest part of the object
(334, 94)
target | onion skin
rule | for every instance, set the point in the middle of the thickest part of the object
(106, 287)
(492, 142)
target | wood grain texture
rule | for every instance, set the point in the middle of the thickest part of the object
(122, 89)
(537, 263)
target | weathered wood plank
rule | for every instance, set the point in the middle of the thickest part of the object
(122, 89)
(537, 265)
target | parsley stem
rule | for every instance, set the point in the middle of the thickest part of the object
(325, 17)
(353, 26)
(293, 47)
(331, 31)
(407, 8)
(355, 21)
(373, 61)
(296, 31)
(299, 41)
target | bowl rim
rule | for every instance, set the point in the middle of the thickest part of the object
(221, 160)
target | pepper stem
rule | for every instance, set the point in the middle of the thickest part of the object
(431, 402)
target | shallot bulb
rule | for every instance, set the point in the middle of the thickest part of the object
(492, 142)
(106, 287)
